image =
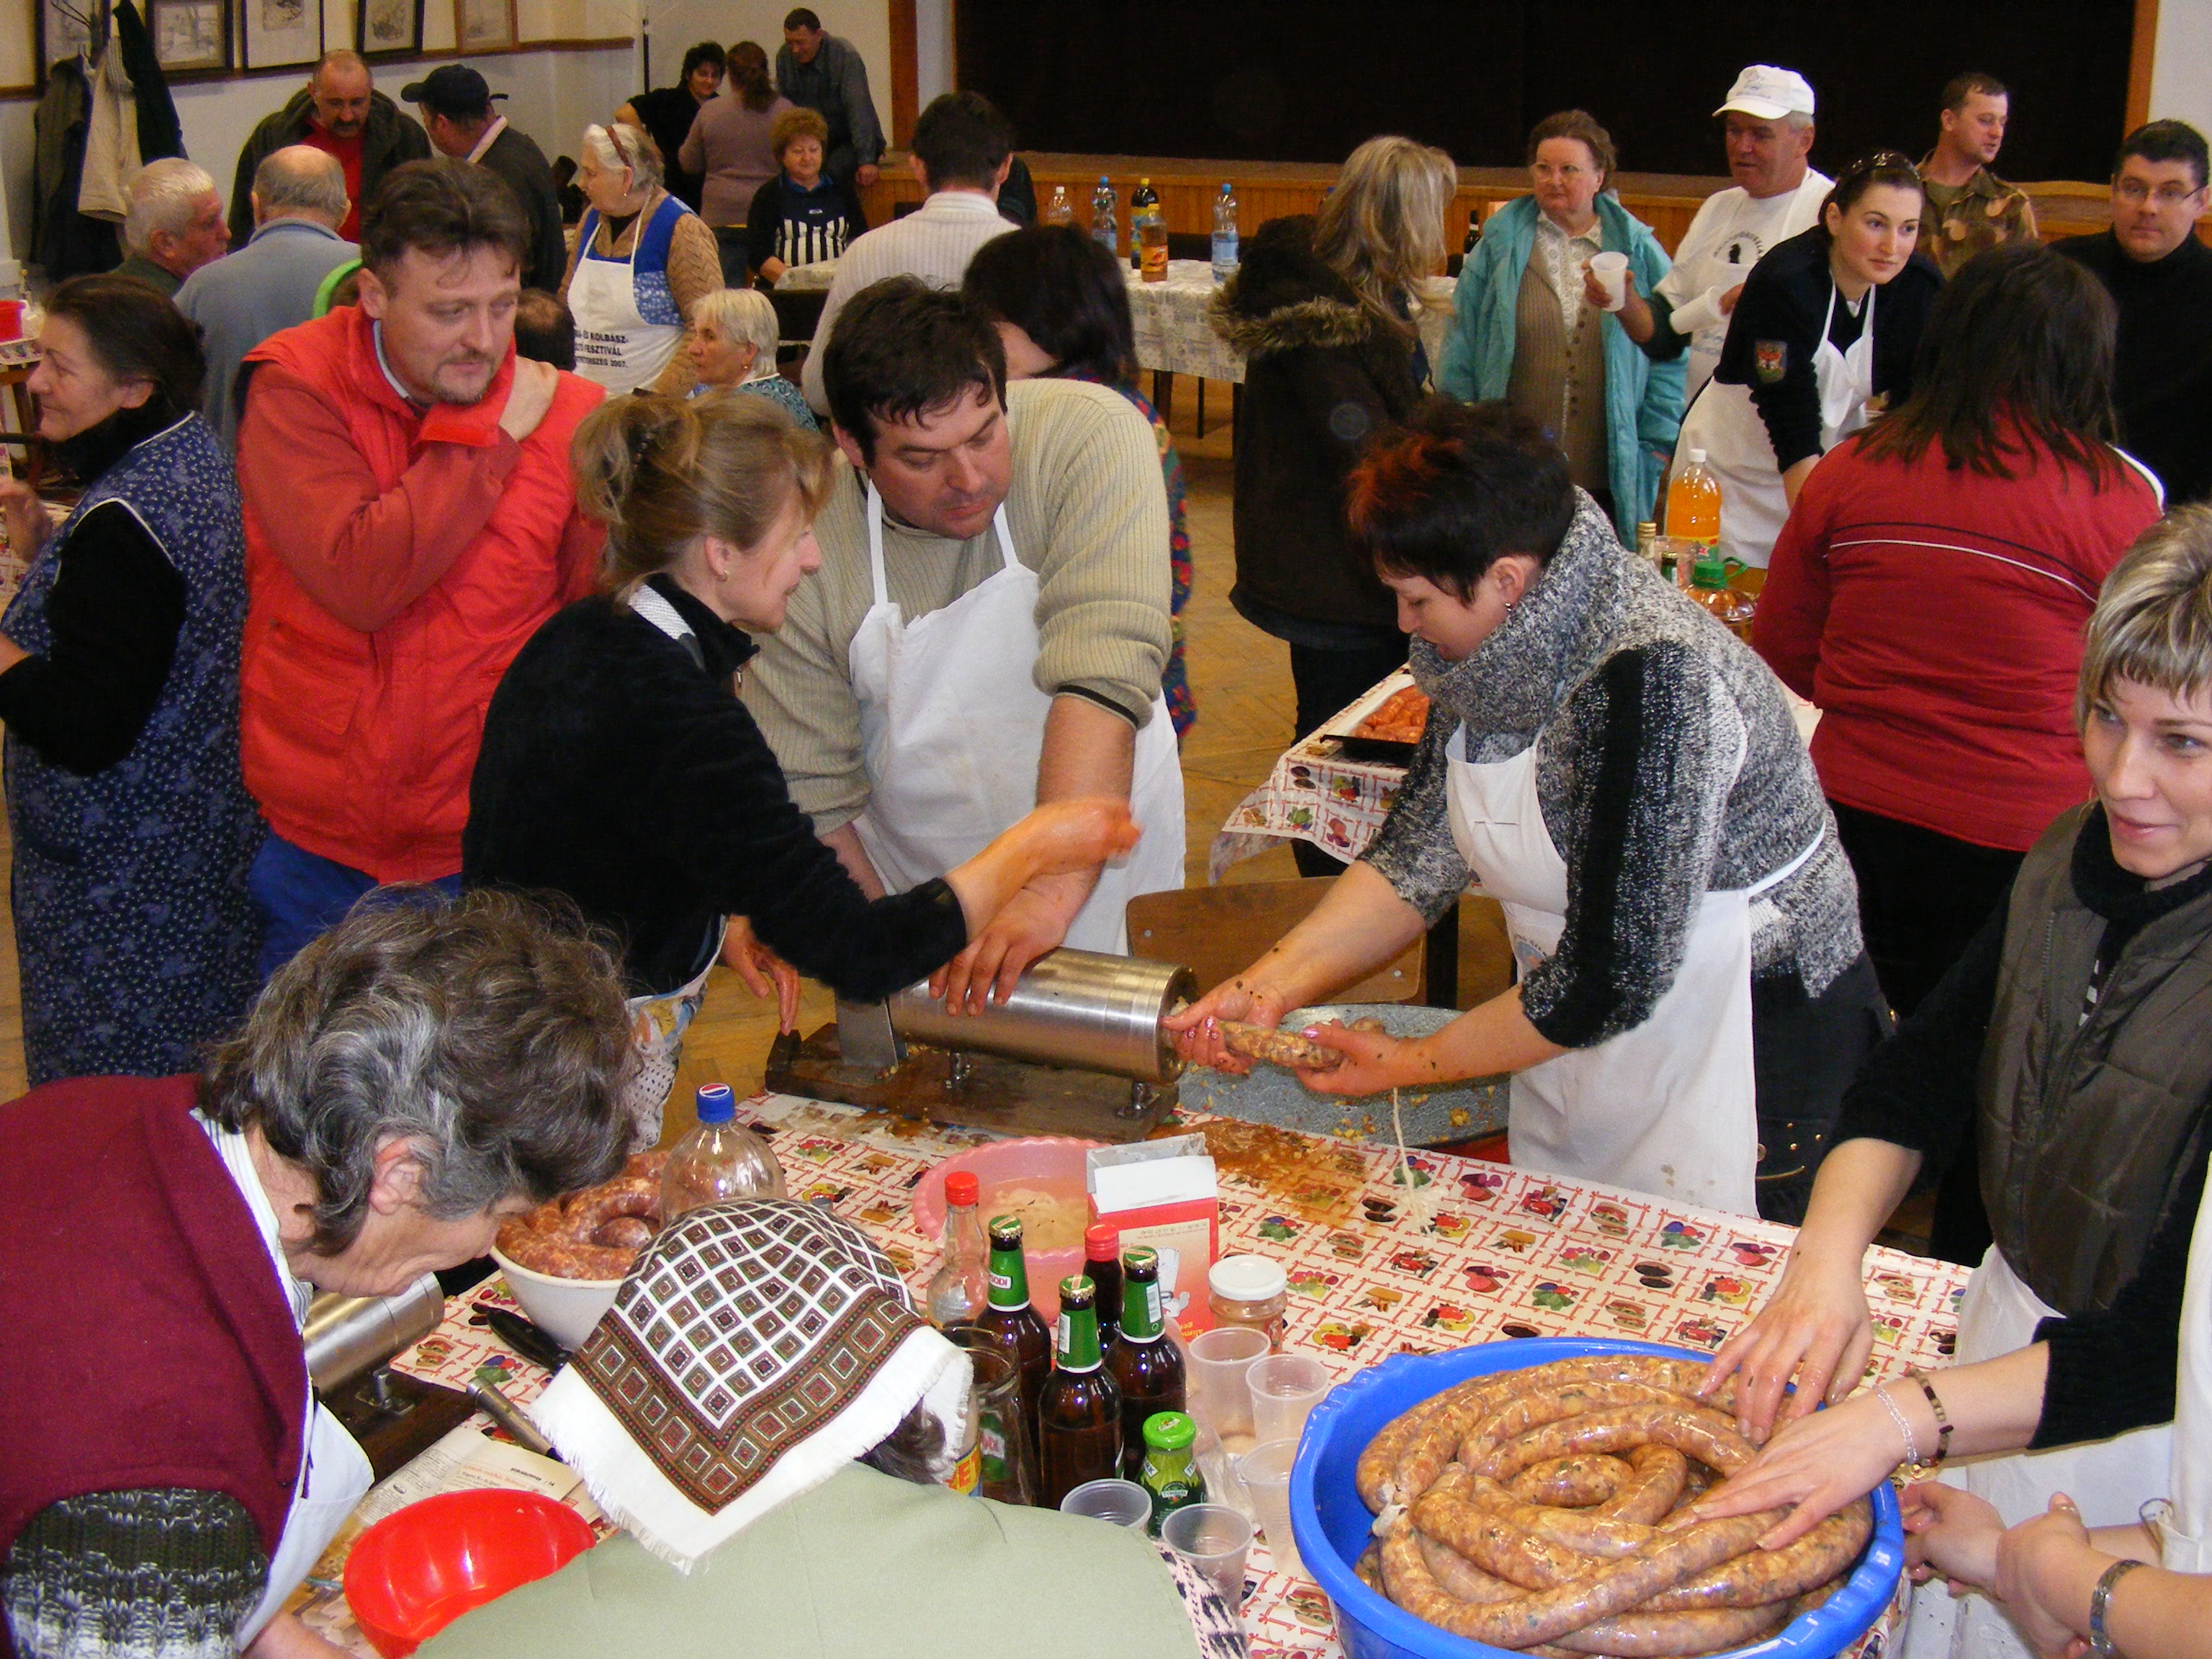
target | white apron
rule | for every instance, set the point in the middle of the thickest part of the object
(334, 1472)
(2109, 1480)
(1725, 423)
(1670, 1108)
(616, 346)
(951, 726)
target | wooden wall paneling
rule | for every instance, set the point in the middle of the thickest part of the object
(906, 70)
(2142, 57)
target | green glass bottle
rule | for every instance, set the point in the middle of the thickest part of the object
(1080, 1418)
(1146, 1367)
(1011, 1322)
(1169, 1472)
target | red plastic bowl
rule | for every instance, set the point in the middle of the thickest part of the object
(416, 1570)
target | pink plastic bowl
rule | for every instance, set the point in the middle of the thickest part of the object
(1053, 1163)
(416, 1570)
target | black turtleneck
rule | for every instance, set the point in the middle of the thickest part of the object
(114, 609)
(2162, 373)
(618, 768)
(2110, 1371)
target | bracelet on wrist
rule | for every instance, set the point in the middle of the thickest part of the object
(1904, 1428)
(1942, 1417)
(2101, 1601)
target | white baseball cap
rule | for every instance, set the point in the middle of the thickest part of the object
(1769, 93)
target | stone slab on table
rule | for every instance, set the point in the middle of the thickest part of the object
(1468, 1252)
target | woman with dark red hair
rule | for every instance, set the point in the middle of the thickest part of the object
(1624, 775)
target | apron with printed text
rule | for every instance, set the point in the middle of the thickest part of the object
(627, 323)
(1726, 424)
(1670, 1108)
(952, 726)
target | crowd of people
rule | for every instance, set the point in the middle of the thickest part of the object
(425, 558)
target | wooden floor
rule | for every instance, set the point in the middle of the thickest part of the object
(1243, 682)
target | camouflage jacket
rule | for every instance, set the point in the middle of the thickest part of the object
(1965, 219)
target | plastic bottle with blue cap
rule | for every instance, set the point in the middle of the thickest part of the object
(719, 1161)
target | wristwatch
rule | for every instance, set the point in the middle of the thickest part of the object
(2100, 1642)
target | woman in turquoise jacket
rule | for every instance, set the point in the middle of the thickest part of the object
(1523, 330)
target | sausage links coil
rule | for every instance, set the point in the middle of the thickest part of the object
(1549, 1511)
(593, 1234)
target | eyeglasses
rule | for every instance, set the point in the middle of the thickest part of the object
(1888, 160)
(2134, 193)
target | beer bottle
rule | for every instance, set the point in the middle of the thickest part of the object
(1102, 1266)
(1079, 1419)
(1167, 1470)
(1009, 1319)
(1145, 1366)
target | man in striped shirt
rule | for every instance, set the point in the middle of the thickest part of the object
(962, 149)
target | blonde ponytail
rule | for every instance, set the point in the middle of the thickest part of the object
(661, 472)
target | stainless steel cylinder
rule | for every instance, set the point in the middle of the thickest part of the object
(346, 1335)
(1076, 1008)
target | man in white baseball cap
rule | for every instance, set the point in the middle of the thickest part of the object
(1768, 132)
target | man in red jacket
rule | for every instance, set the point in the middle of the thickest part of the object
(410, 520)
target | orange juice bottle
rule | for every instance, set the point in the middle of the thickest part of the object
(1694, 504)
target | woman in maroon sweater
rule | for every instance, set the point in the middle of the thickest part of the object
(1929, 592)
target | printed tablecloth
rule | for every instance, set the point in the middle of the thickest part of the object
(1174, 333)
(1507, 1254)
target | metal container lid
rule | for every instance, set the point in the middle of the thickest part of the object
(1247, 1279)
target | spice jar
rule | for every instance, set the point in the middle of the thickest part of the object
(1251, 1290)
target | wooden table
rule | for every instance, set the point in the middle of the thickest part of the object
(1508, 1254)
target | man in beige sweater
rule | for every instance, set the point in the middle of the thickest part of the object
(986, 630)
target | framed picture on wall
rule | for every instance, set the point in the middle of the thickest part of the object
(483, 25)
(65, 27)
(388, 28)
(190, 34)
(276, 33)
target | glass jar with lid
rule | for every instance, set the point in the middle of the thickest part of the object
(1253, 1292)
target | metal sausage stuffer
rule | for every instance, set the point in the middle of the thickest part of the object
(1076, 1050)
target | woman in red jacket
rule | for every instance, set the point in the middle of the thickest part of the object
(1929, 592)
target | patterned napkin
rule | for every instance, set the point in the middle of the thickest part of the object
(755, 1349)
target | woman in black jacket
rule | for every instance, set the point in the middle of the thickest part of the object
(619, 767)
(1322, 309)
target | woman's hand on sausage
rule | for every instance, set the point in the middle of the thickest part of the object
(1372, 1064)
(1196, 1030)
(1816, 1330)
(1817, 1464)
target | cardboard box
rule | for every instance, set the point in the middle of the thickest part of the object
(1163, 1195)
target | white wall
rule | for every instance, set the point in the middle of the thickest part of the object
(933, 49)
(2181, 71)
(677, 24)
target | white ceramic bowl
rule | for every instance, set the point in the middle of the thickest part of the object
(565, 1309)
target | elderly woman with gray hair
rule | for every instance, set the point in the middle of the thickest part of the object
(732, 344)
(417, 1073)
(642, 264)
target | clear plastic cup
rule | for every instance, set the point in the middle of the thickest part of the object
(1265, 1472)
(1124, 1502)
(1219, 1469)
(1214, 1538)
(1285, 1389)
(1216, 1363)
(1611, 270)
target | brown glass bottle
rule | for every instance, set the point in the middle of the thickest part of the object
(1102, 1266)
(1145, 1365)
(1011, 1322)
(1079, 1419)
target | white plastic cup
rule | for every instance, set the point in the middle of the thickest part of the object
(1215, 1362)
(1265, 1472)
(1214, 1538)
(1124, 1502)
(1285, 1389)
(1611, 270)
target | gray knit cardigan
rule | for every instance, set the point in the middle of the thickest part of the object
(1638, 703)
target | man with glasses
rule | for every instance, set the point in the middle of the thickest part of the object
(2161, 276)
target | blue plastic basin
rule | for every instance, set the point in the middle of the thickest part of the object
(1332, 1526)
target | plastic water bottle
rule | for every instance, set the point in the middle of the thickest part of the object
(719, 1160)
(1060, 211)
(960, 1290)
(1225, 233)
(1106, 216)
